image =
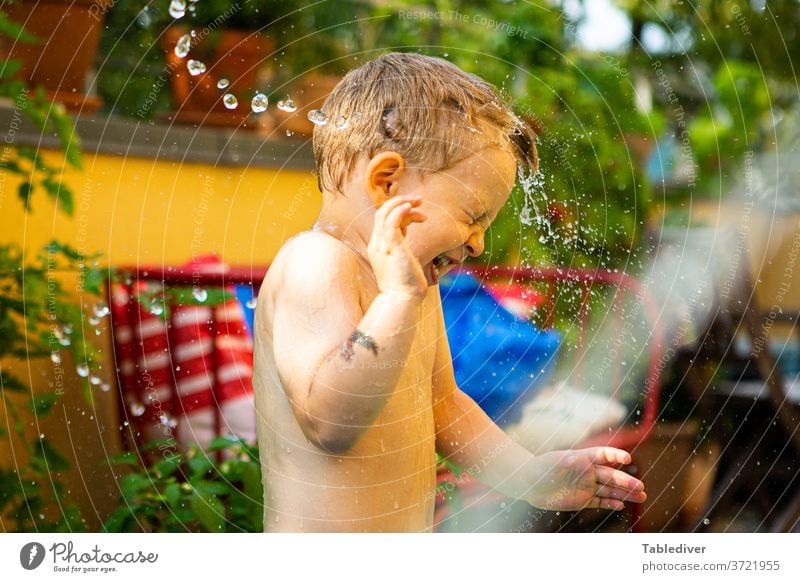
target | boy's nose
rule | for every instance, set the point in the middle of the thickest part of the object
(474, 245)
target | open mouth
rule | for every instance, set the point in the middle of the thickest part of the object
(440, 265)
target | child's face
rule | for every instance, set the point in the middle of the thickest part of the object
(460, 204)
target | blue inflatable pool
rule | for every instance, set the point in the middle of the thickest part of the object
(500, 359)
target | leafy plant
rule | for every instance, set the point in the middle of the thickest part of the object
(215, 491)
(37, 318)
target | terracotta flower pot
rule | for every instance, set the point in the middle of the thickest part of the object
(233, 55)
(69, 32)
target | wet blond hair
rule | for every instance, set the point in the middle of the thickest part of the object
(425, 108)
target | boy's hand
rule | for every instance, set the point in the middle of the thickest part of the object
(396, 268)
(577, 479)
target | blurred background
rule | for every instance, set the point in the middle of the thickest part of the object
(157, 154)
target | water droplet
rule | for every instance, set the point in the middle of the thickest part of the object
(199, 294)
(177, 8)
(105, 387)
(194, 32)
(82, 370)
(93, 320)
(706, 521)
(67, 328)
(125, 423)
(317, 117)
(230, 101)
(397, 504)
(143, 18)
(341, 122)
(95, 380)
(289, 133)
(287, 105)
(222, 83)
(167, 420)
(251, 303)
(41, 436)
(55, 357)
(259, 103)
(136, 408)
(195, 67)
(183, 46)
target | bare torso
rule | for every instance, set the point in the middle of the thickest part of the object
(386, 481)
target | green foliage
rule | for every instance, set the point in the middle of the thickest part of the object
(215, 491)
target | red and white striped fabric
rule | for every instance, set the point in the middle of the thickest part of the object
(190, 380)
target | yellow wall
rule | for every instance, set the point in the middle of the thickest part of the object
(139, 211)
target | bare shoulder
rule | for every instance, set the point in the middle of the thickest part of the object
(309, 267)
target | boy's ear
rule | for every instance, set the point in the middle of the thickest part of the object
(382, 175)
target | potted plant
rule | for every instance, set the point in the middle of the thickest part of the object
(57, 47)
(215, 48)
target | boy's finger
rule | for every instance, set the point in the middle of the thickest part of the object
(622, 494)
(386, 207)
(609, 476)
(611, 456)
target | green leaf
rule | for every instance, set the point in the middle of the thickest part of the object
(15, 31)
(43, 403)
(221, 443)
(172, 494)
(209, 510)
(55, 247)
(94, 280)
(132, 485)
(47, 458)
(167, 467)
(71, 520)
(59, 192)
(70, 142)
(126, 458)
(24, 192)
(118, 520)
(158, 443)
(11, 383)
(9, 68)
(251, 478)
(185, 296)
(200, 464)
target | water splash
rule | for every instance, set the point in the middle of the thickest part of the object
(183, 46)
(287, 105)
(195, 67)
(533, 190)
(177, 8)
(259, 103)
(223, 83)
(100, 309)
(199, 294)
(341, 122)
(318, 117)
(136, 408)
(230, 101)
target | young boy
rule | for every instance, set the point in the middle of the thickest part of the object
(353, 379)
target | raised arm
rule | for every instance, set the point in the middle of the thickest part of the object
(326, 348)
